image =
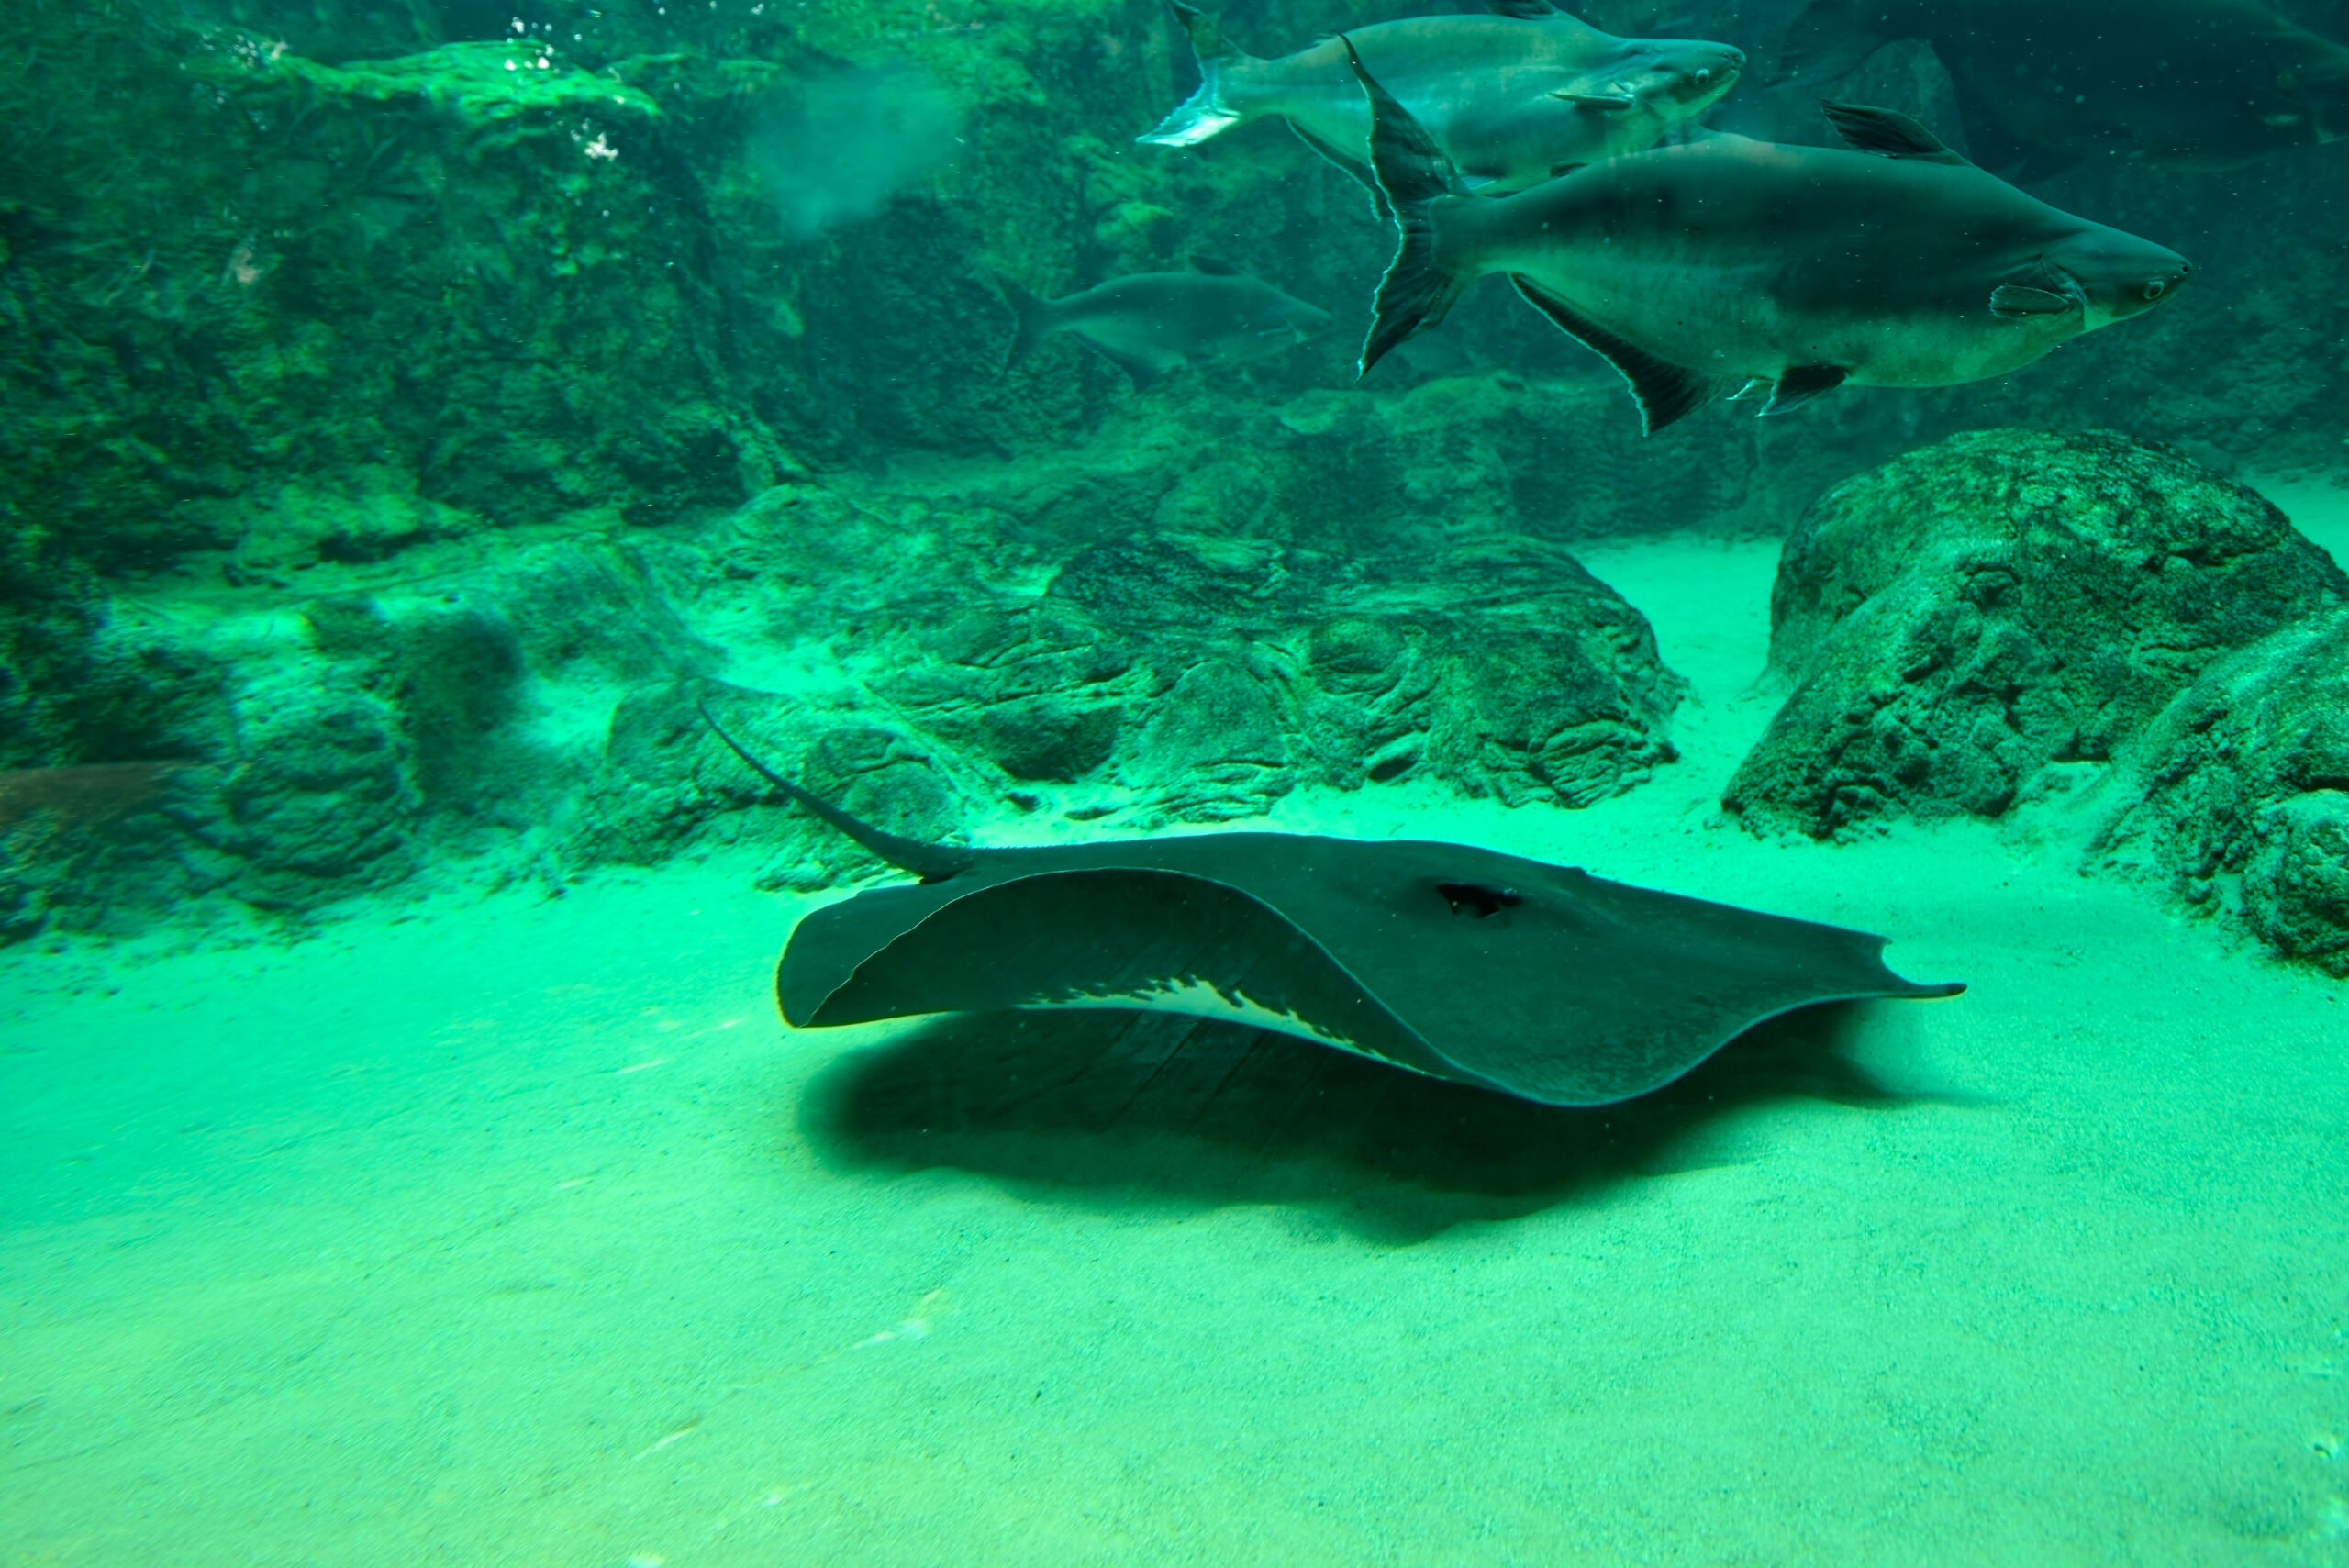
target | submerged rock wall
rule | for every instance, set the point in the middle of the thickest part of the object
(544, 712)
(285, 279)
(401, 408)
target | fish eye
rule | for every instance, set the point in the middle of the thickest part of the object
(1704, 77)
(2155, 289)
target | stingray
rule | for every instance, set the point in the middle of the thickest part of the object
(1534, 980)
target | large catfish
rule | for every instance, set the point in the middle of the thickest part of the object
(1148, 324)
(1792, 270)
(1511, 98)
(2044, 84)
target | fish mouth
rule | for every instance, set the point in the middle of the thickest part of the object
(1705, 85)
(1689, 77)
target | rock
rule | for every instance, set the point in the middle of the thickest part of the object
(1199, 680)
(1962, 618)
(445, 726)
(535, 710)
(2238, 794)
(325, 804)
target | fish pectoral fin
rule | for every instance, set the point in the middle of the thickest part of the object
(2014, 302)
(1798, 385)
(1755, 387)
(1888, 133)
(1666, 392)
(1608, 103)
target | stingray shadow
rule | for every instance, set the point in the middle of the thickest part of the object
(1119, 1109)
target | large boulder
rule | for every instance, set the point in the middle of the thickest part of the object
(2238, 794)
(1959, 619)
(1158, 681)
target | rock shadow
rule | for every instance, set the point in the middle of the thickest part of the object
(1148, 1109)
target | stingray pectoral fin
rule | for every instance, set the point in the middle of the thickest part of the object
(1592, 992)
(1100, 936)
(1666, 392)
(2015, 301)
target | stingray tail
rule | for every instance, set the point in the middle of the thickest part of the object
(1419, 181)
(931, 863)
(1036, 322)
(1204, 113)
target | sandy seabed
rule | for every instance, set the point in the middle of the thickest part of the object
(512, 1230)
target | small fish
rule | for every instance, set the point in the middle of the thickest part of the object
(1150, 323)
(1512, 99)
(1791, 269)
(2186, 84)
(90, 793)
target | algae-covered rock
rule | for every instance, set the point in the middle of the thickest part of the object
(1164, 680)
(1146, 680)
(1971, 612)
(519, 79)
(2237, 796)
(408, 730)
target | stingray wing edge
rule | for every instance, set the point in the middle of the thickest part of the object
(1412, 1050)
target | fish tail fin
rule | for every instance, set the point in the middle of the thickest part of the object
(1204, 113)
(1419, 181)
(1035, 317)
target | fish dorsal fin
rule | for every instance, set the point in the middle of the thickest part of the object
(1666, 392)
(1798, 385)
(1524, 10)
(1889, 133)
(1214, 267)
(1410, 168)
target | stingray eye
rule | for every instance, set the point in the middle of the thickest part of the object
(2155, 289)
(1475, 899)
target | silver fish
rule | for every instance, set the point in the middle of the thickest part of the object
(1150, 323)
(1511, 98)
(1794, 270)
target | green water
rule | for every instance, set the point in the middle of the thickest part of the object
(422, 420)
